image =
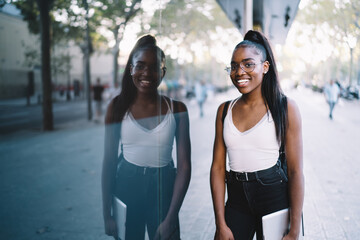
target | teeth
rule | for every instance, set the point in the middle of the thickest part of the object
(145, 81)
(242, 81)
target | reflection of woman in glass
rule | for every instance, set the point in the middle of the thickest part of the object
(256, 124)
(144, 124)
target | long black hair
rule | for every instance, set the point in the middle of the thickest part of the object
(274, 97)
(123, 101)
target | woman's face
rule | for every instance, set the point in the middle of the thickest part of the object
(247, 69)
(147, 70)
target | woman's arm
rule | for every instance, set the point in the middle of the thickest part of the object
(110, 161)
(182, 180)
(294, 158)
(183, 154)
(217, 179)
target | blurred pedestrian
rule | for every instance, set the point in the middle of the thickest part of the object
(332, 93)
(201, 95)
(143, 124)
(254, 127)
(98, 90)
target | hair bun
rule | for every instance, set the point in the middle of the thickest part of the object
(145, 40)
(254, 36)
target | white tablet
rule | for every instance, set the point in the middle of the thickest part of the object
(120, 217)
(276, 225)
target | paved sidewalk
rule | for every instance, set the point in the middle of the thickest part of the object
(50, 182)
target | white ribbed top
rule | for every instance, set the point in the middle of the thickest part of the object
(253, 150)
(148, 147)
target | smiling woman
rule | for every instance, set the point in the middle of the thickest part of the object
(252, 129)
(148, 69)
(143, 124)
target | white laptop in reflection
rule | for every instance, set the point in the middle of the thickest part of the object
(120, 217)
(276, 225)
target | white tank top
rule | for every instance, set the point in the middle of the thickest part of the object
(148, 147)
(253, 150)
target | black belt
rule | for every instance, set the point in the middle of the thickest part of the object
(251, 176)
(148, 170)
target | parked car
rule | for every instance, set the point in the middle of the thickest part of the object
(352, 92)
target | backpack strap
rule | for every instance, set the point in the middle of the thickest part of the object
(282, 157)
(226, 106)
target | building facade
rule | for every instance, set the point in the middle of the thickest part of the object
(20, 67)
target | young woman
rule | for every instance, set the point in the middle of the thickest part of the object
(255, 126)
(143, 125)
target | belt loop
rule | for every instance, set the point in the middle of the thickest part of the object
(246, 176)
(144, 170)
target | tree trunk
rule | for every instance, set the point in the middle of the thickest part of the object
(116, 66)
(115, 57)
(44, 8)
(87, 82)
(87, 76)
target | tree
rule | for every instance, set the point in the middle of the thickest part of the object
(192, 32)
(44, 9)
(31, 9)
(81, 29)
(64, 21)
(37, 15)
(114, 15)
(340, 25)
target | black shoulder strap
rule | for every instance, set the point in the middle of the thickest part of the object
(225, 111)
(282, 157)
(282, 147)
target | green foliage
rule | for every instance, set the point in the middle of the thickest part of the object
(67, 20)
(193, 19)
(30, 12)
(111, 13)
(325, 30)
(187, 25)
(342, 17)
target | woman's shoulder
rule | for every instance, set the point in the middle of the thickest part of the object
(223, 109)
(110, 112)
(291, 104)
(293, 109)
(112, 103)
(177, 106)
(226, 104)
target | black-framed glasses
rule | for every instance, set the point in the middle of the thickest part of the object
(247, 67)
(140, 67)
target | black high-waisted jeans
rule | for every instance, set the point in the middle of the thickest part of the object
(147, 193)
(248, 201)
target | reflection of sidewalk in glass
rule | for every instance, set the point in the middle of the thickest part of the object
(58, 173)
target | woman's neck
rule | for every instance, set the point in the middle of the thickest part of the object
(253, 98)
(147, 98)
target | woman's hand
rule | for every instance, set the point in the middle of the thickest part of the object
(290, 236)
(110, 227)
(224, 233)
(167, 230)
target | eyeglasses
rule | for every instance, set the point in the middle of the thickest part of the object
(247, 67)
(139, 67)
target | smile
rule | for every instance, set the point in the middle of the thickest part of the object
(243, 81)
(145, 81)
